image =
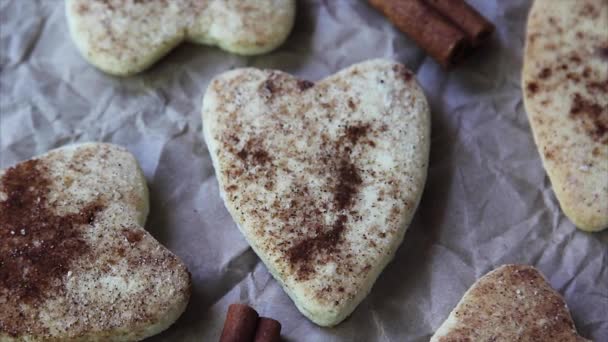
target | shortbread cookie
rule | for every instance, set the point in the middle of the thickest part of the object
(123, 37)
(322, 179)
(565, 83)
(511, 303)
(75, 262)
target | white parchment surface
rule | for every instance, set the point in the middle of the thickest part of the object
(487, 200)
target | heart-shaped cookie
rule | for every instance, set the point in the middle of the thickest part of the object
(123, 37)
(322, 179)
(511, 303)
(565, 83)
(75, 262)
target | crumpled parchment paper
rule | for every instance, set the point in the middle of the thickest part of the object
(487, 200)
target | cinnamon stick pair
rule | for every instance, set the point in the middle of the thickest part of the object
(243, 324)
(446, 29)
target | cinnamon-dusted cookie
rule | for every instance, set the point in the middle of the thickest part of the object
(511, 303)
(565, 84)
(322, 179)
(75, 262)
(124, 37)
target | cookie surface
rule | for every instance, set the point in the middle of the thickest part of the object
(322, 179)
(123, 37)
(565, 84)
(511, 303)
(75, 262)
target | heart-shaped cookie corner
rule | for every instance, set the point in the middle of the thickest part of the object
(124, 37)
(75, 261)
(511, 303)
(322, 179)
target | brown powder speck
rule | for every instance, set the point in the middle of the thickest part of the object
(243, 154)
(260, 157)
(348, 181)
(403, 72)
(593, 116)
(573, 77)
(586, 72)
(589, 10)
(354, 133)
(304, 85)
(602, 51)
(545, 73)
(253, 154)
(352, 104)
(82, 9)
(532, 88)
(598, 86)
(575, 59)
(33, 262)
(270, 86)
(304, 252)
(133, 235)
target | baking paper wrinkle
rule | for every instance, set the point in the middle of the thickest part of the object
(487, 200)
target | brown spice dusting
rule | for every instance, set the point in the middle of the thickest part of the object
(351, 104)
(573, 77)
(303, 252)
(82, 9)
(252, 154)
(576, 59)
(37, 246)
(603, 52)
(545, 73)
(599, 86)
(348, 181)
(270, 86)
(587, 72)
(532, 88)
(260, 157)
(593, 117)
(133, 235)
(354, 133)
(403, 72)
(304, 84)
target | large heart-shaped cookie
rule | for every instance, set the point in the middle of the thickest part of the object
(565, 83)
(511, 303)
(322, 179)
(75, 262)
(123, 37)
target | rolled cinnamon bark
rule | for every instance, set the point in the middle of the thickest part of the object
(441, 39)
(477, 28)
(269, 330)
(240, 325)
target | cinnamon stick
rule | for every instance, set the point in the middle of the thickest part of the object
(441, 39)
(240, 325)
(269, 330)
(477, 28)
